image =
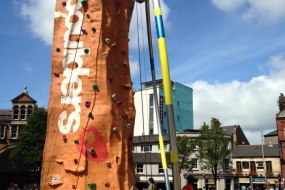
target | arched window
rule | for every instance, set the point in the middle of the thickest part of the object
(23, 112)
(16, 112)
(30, 110)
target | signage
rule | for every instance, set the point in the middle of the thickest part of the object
(258, 180)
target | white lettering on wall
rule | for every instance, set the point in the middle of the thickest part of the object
(71, 85)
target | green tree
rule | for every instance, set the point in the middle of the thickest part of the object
(28, 153)
(185, 146)
(212, 149)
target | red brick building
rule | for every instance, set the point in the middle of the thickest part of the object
(11, 122)
(280, 123)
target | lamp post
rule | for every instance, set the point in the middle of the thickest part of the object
(262, 150)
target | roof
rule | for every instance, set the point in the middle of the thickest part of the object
(244, 151)
(23, 97)
(5, 115)
(281, 114)
(273, 133)
(148, 139)
(240, 136)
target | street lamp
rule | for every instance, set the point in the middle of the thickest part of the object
(262, 150)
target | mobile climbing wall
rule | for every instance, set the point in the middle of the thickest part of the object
(91, 110)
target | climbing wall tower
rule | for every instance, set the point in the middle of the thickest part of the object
(91, 110)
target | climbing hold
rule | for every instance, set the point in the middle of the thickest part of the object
(126, 86)
(76, 141)
(128, 125)
(110, 78)
(73, 187)
(108, 41)
(64, 138)
(91, 185)
(115, 128)
(107, 184)
(90, 115)
(91, 150)
(57, 49)
(119, 102)
(114, 96)
(108, 164)
(86, 51)
(63, 3)
(125, 63)
(76, 65)
(84, 3)
(93, 29)
(77, 40)
(88, 16)
(83, 31)
(87, 104)
(56, 74)
(125, 116)
(75, 161)
(95, 86)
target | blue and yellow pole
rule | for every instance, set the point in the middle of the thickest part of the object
(161, 142)
(167, 93)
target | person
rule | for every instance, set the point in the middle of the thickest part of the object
(151, 184)
(189, 185)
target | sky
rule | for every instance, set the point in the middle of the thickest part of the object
(230, 52)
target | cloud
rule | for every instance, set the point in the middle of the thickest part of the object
(228, 5)
(39, 15)
(134, 67)
(272, 11)
(252, 104)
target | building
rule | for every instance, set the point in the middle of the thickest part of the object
(255, 165)
(203, 178)
(11, 122)
(280, 125)
(148, 161)
(146, 119)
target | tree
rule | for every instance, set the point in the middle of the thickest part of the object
(185, 146)
(212, 149)
(28, 153)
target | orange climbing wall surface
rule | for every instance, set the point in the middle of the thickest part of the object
(91, 110)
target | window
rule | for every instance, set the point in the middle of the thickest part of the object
(194, 164)
(245, 165)
(23, 112)
(146, 148)
(252, 167)
(14, 132)
(269, 168)
(239, 168)
(160, 169)
(30, 110)
(165, 147)
(16, 112)
(139, 168)
(259, 165)
(2, 132)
